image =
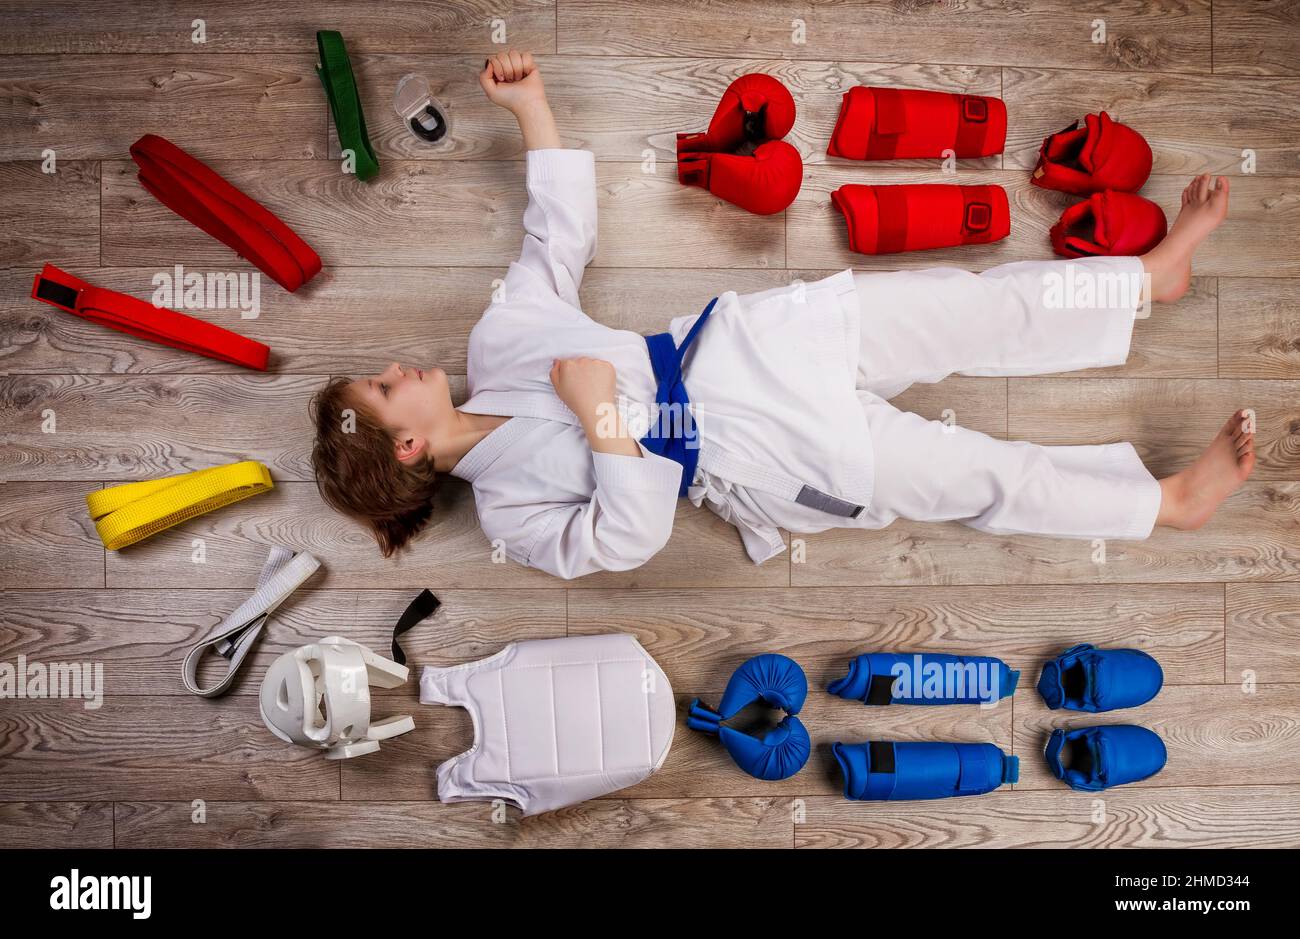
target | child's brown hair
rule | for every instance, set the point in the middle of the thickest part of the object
(358, 473)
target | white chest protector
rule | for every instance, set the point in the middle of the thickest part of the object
(556, 721)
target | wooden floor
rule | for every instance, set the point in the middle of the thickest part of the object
(409, 263)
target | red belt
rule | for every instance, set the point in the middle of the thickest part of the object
(131, 315)
(194, 192)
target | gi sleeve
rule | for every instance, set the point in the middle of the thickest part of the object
(628, 520)
(559, 222)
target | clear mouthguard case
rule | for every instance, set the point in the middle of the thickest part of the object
(424, 117)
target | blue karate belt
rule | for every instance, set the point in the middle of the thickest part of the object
(672, 432)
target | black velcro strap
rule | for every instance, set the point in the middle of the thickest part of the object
(880, 690)
(59, 294)
(881, 756)
(422, 607)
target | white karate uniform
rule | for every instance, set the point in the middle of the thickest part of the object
(787, 390)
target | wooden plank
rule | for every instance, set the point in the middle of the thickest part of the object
(1232, 114)
(1169, 422)
(266, 107)
(1263, 633)
(153, 748)
(643, 102)
(1173, 37)
(697, 766)
(644, 300)
(46, 537)
(49, 217)
(1256, 235)
(1177, 340)
(142, 636)
(458, 214)
(328, 334)
(453, 552)
(56, 824)
(1183, 817)
(1249, 539)
(1257, 37)
(129, 427)
(975, 403)
(158, 26)
(760, 822)
(700, 637)
(1216, 735)
(1259, 327)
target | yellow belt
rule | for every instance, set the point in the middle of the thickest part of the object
(126, 514)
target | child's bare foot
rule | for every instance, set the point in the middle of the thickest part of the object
(1205, 205)
(1188, 498)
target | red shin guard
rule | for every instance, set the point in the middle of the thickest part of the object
(896, 124)
(755, 112)
(1102, 154)
(888, 219)
(1109, 223)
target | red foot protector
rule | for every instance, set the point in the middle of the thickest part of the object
(756, 111)
(889, 219)
(134, 316)
(194, 192)
(897, 124)
(1109, 223)
(1102, 154)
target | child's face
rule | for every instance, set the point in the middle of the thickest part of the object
(407, 400)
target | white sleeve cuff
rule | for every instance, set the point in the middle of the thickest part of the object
(559, 165)
(648, 472)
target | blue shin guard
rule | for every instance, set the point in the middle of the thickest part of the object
(897, 771)
(925, 678)
(778, 682)
(1085, 678)
(1090, 759)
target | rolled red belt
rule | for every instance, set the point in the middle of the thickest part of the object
(131, 315)
(196, 193)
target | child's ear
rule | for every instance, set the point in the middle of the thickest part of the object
(408, 448)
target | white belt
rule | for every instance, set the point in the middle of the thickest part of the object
(283, 573)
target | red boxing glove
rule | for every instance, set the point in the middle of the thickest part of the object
(1109, 223)
(888, 219)
(755, 112)
(896, 124)
(1101, 154)
(765, 183)
(754, 108)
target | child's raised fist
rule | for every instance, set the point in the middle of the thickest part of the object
(512, 80)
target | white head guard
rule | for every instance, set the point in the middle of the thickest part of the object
(318, 696)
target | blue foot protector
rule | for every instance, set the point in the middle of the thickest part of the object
(1090, 759)
(925, 678)
(898, 771)
(1085, 678)
(778, 682)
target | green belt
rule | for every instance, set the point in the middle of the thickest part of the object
(335, 73)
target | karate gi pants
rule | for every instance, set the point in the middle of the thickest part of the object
(1028, 318)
